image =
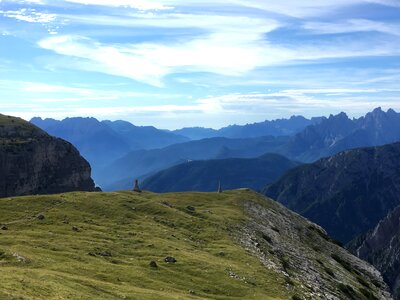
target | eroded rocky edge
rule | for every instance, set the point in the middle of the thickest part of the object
(307, 257)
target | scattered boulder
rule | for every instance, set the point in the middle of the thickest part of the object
(103, 253)
(40, 217)
(76, 229)
(4, 227)
(190, 208)
(170, 260)
(153, 264)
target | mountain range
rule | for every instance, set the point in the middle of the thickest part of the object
(279, 127)
(232, 173)
(352, 194)
(102, 142)
(126, 152)
(338, 133)
(143, 163)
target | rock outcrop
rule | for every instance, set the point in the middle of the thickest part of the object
(381, 247)
(33, 162)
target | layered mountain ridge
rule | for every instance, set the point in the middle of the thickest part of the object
(232, 173)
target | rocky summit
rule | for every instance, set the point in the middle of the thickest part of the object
(33, 162)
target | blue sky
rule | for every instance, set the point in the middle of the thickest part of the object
(176, 63)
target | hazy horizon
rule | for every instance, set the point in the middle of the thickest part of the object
(215, 128)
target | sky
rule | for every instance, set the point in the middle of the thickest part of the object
(180, 63)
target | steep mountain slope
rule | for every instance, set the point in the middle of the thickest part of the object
(233, 173)
(381, 247)
(172, 246)
(32, 162)
(338, 133)
(348, 193)
(145, 162)
(279, 127)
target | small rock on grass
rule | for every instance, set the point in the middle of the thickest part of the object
(153, 264)
(170, 260)
(190, 208)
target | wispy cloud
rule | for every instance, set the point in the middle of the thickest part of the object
(217, 50)
(29, 15)
(353, 25)
(224, 52)
(137, 4)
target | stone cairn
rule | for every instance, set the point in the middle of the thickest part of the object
(219, 187)
(136, 188)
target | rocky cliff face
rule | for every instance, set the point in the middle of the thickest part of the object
(33, 162)
(347, 194)
(381, 247)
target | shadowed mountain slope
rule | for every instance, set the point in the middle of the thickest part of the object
(381, 247)
(348, 193)
(233, 173)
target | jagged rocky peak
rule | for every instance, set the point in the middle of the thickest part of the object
(33, 162)
(339, 116)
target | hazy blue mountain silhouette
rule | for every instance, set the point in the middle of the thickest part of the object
(339, 132)
(204, 175)
(279, 127)
(103, 142)
(145, 162)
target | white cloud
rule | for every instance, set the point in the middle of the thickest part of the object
(223, 52)
(353, 25)
(294, 8)
(29, 15)
(230, 46)
(137, 4)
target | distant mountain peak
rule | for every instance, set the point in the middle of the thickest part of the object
(339, 116)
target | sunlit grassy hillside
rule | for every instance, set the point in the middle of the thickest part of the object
(100, 245)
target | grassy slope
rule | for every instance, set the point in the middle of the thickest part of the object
(54, 262)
